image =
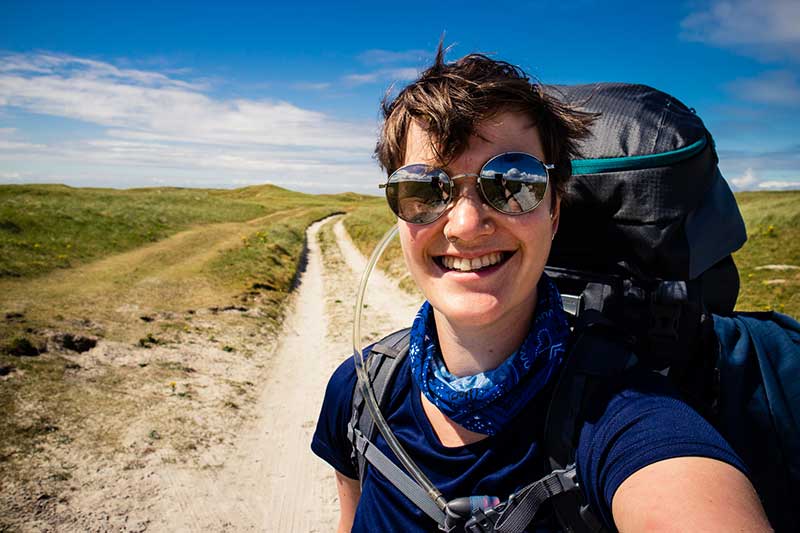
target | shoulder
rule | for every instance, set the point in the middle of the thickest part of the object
(330, 440)
(636, 422)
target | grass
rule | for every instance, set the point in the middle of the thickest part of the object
(49, 382)
(207, 264)
(48, 227)
(366, 225)
(44, 227)
(773, 238)
(268, 257)
(134, 267)
(773, 229)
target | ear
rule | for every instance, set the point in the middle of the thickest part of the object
(555, 214)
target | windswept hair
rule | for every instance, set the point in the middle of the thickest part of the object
(452, 99)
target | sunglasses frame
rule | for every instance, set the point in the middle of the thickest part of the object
(547, 168)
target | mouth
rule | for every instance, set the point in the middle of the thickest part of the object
(475, 264)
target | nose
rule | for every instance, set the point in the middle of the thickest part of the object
(468, 217)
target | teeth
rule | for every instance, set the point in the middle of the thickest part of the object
(466, 265)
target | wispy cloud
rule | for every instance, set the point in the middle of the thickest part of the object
(382, 76)
(155, 120)
(386, 57)
(766, 29)
(772, 88)
(50, 63)
(312, 86)
(752, 170)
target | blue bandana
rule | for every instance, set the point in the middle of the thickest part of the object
(486, 402)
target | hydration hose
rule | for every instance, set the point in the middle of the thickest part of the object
(472, 514)
(366, 386)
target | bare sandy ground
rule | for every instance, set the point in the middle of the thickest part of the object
(244, 463)
(271, 481)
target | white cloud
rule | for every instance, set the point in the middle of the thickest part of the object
(750, 181)
(155, 121)
(772, 88)
(14, 145)
(176, 112)
(762, 28)
(745, 181)
(779, 185)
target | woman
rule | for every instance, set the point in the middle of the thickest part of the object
(470, 399)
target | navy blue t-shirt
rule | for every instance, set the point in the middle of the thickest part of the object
(643, 422)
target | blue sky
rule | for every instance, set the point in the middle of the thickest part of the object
(228, 94)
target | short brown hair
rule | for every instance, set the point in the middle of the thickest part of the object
(454, 98)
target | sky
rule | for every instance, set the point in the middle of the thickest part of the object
(229, 94)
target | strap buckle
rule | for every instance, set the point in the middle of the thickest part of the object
(482, 521)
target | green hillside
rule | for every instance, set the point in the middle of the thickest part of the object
(47, 227)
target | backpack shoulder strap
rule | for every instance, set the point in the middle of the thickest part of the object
(599, 352)
(384, 358)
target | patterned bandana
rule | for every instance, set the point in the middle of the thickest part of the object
(486, 402)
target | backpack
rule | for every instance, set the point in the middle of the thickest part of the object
(642, 260)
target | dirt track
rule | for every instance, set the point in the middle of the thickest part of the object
(271, 481)
(239, 458)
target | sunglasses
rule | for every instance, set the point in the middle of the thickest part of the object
(513, 183)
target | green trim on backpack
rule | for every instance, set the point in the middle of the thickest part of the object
(637, 162)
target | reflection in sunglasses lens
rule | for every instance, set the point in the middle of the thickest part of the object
(418, 194)
(514, 183)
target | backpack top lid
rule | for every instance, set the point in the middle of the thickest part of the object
(646, 199)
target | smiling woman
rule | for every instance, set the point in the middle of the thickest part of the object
(462, 145)
(469, 300)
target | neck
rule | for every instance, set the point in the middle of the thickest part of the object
(472, 349)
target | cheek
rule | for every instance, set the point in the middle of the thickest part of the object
(414, 238)
(536, 233)
(408, 244)
(415, 241)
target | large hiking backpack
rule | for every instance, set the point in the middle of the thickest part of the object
(642, 259)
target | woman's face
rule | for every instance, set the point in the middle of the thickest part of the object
(515, 248)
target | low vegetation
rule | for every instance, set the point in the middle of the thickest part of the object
(143, 270)
(769, 264)
(267, 260)
(45, 227)
(366, 225)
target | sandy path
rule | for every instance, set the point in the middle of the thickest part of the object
(272, 481)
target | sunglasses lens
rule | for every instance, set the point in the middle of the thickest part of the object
(417, 193)
(514, 182)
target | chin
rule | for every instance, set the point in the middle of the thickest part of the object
(476, 310)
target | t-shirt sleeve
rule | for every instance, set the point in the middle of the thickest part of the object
(330, 440)
(639, 425)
